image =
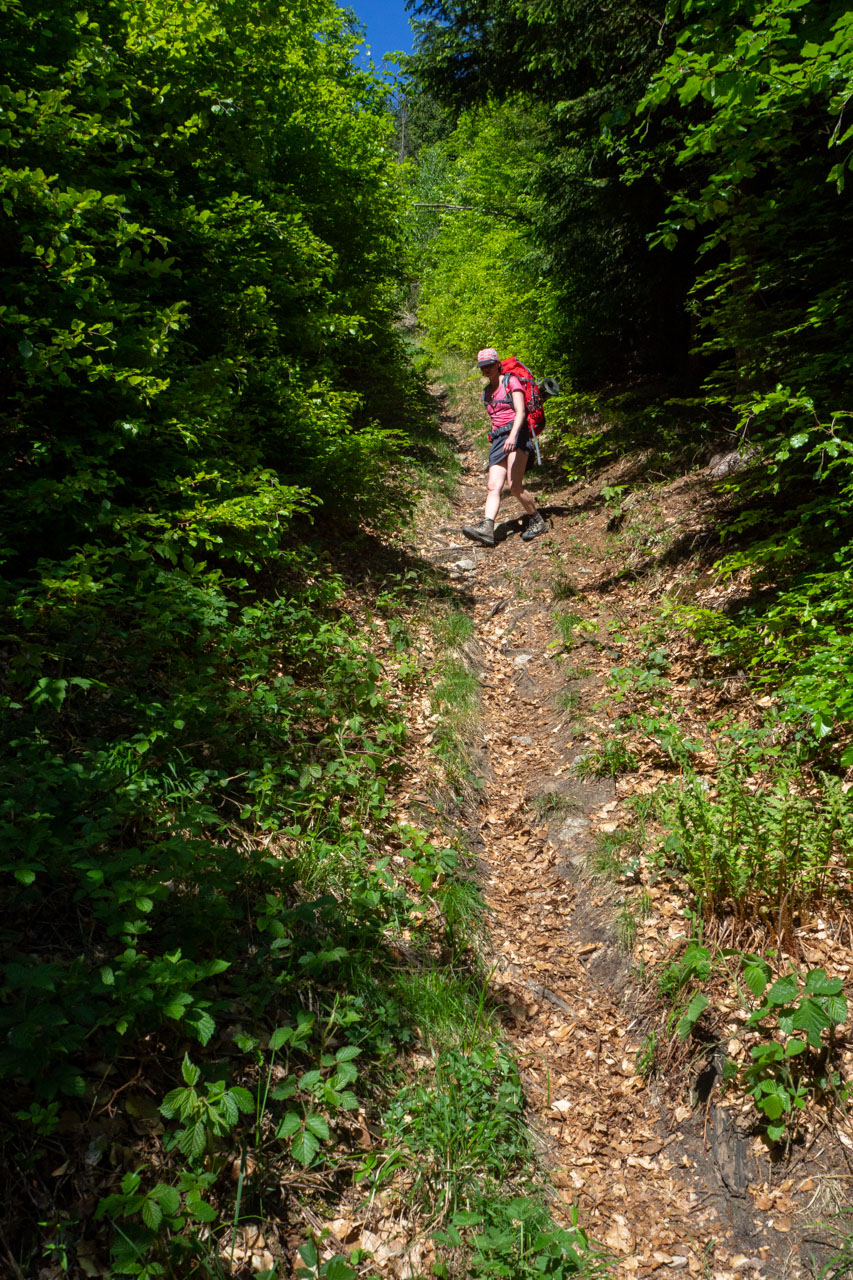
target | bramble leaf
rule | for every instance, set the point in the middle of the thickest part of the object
(691, 1015)
(318, 1126)
(811, 1019)
(304, 1147)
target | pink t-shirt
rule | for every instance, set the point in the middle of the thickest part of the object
(501, 410)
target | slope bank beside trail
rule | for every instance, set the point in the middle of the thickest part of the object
(670, 1184)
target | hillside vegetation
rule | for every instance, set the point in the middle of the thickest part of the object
(228, 931)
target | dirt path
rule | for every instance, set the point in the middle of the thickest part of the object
(668, 1188)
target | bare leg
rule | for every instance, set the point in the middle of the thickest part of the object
(515, 474)
(510, 470)
(496, 482)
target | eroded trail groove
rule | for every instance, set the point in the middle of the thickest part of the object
(667, 1187)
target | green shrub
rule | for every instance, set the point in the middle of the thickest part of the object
(515, 1237)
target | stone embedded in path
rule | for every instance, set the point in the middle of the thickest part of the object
(465, 565)
(573, 827)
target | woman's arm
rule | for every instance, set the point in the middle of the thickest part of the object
(520, 418)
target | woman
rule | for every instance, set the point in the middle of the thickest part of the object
(511, 446)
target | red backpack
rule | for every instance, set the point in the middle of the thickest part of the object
(532, 394)
(511, 367)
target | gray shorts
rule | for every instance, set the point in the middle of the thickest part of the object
(523, 444)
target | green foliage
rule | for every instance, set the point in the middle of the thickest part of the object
(641, 679)
(581, 451)
(551, 804)
(756, 850)
(454, 628)
(795, 639)
(675, 980)
(204, 1117)
(336, 1268)
(693, 965)
(515, 1239)
(181, 322)
(616, 854)
(136, 878)
(685, 193)
(612, 495)
(465, 1127)
(196, 739)
(795, 1014)
(687, 1022)
(839, 1246)
(567, 624)
(568, 700)
(463, 1134)
(482, 278)
(165, 1222)
(163, 310)
(447, 1009)
(795, 1010)
(646, 1055)
(678, 163)
(455, 699)
(666, 736)
(756, 102)
(582, 71)
(628, 919)
(607, 758)
(563, 588)
(324, 1089)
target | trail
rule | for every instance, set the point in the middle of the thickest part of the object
(669, 1188)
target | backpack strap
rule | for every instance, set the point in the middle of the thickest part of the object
(504, 382)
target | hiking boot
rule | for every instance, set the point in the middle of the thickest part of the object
(535, 526)
(483, 532)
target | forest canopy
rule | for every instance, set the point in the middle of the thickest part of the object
(695, 158)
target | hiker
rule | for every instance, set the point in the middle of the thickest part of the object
(511, 447)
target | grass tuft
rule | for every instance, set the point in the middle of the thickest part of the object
(453, 628)
(552, 804)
